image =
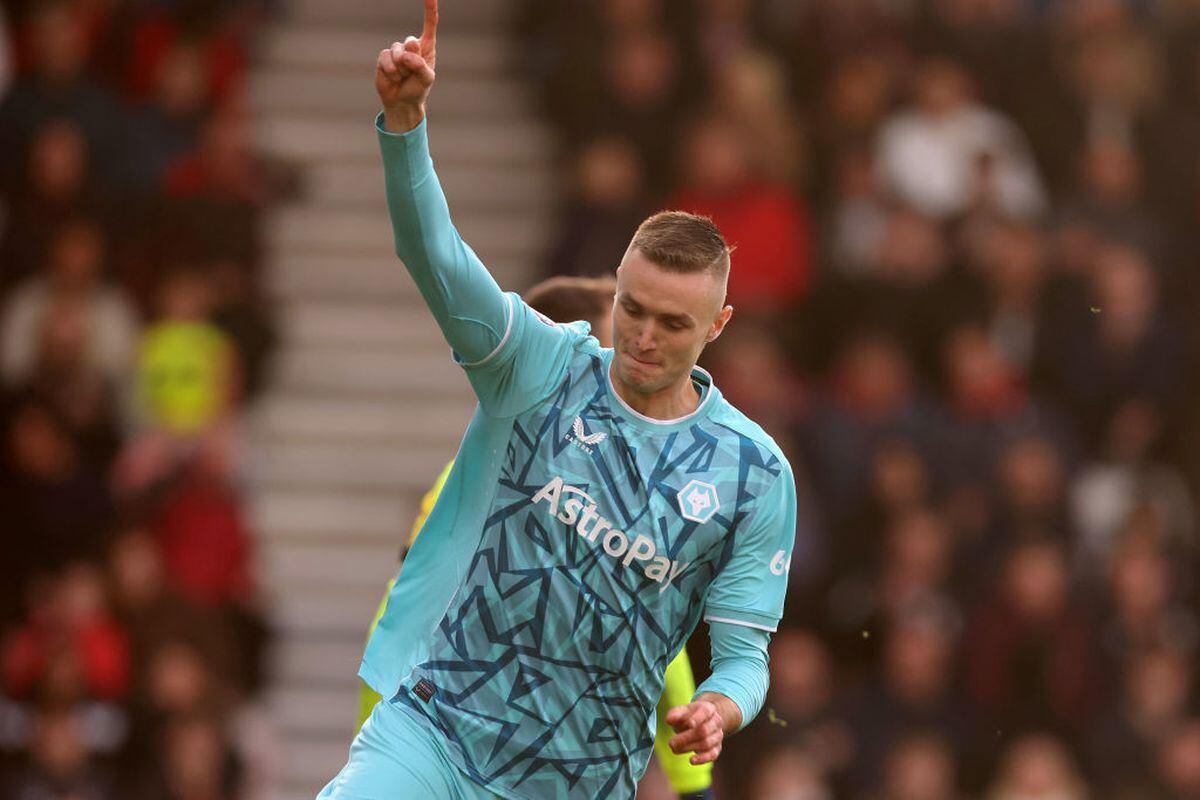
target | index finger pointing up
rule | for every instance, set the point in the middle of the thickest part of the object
(429, 32)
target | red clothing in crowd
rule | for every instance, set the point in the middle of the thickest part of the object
(772, 233)
(158, 34)
(204, 542)
(99, 648)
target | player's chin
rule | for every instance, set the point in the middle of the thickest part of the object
(637, 375)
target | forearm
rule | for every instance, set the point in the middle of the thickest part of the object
(466, 302)
(739, 679)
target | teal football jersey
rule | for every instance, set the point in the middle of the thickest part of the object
(594, 539)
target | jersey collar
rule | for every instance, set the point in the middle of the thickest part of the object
(700, 377)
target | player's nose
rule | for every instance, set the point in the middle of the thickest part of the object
(645, 338)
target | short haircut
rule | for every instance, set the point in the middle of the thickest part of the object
(568, 298)
(680, 242)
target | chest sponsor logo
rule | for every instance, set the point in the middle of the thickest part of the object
(698, 501)
(576, 508)
(585, 441)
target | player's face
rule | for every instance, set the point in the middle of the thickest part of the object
(661, 322)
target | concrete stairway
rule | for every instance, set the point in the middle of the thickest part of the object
(365, 406)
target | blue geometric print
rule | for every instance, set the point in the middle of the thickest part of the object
(586, 581)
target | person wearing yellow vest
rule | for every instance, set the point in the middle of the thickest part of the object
(568, 299)
(187, 367)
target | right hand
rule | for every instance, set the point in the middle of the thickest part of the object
(404, 75)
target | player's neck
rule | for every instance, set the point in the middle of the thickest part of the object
(671, 402)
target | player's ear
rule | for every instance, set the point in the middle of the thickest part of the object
(719, 324)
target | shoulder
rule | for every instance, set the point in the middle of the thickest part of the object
(578, 333)
(753, 439)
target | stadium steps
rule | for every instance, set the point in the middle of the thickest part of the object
(306, 138)
(364, 405)
(482, 188)
(508, 232)
(331, 50)
(313, 419)
(298, 275)
(331, 95)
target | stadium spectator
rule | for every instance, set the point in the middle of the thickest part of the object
(751, 90)
(1147, 608)
(913, 691)
(213, 26)
(1179, 761)
(1125, 346)
(857, 215)
(934, 154)
(1030, 652)
(900, 484)
(187, 366)
(759, 377)
(55, 185)
(198, 762)
(1012, 262)
(1130, 478)
(155, 613)
(55, 497)
(1110, 198)
(206, 546)
(788, 772)
(608, 200)
(169, 124)
(70, 631)
(1030, 488)
(988, 405)
(765, 223)
(641, 93)
(1153, 701)
(854, 101)
(57, 86)
(60, 766)
(74, 274)
(920, 767)
(871, 397)
(1038, 766)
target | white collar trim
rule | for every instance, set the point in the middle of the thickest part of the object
(700, 407)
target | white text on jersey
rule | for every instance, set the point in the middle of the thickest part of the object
(579, 510)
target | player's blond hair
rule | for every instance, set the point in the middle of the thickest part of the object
(681, 242)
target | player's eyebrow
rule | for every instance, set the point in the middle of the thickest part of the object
(682, 318)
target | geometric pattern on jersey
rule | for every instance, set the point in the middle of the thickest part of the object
(590, 574)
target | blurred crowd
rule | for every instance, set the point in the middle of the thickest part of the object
(132, 338)
(965, 289)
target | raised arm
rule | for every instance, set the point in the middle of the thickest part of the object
(473, 313)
